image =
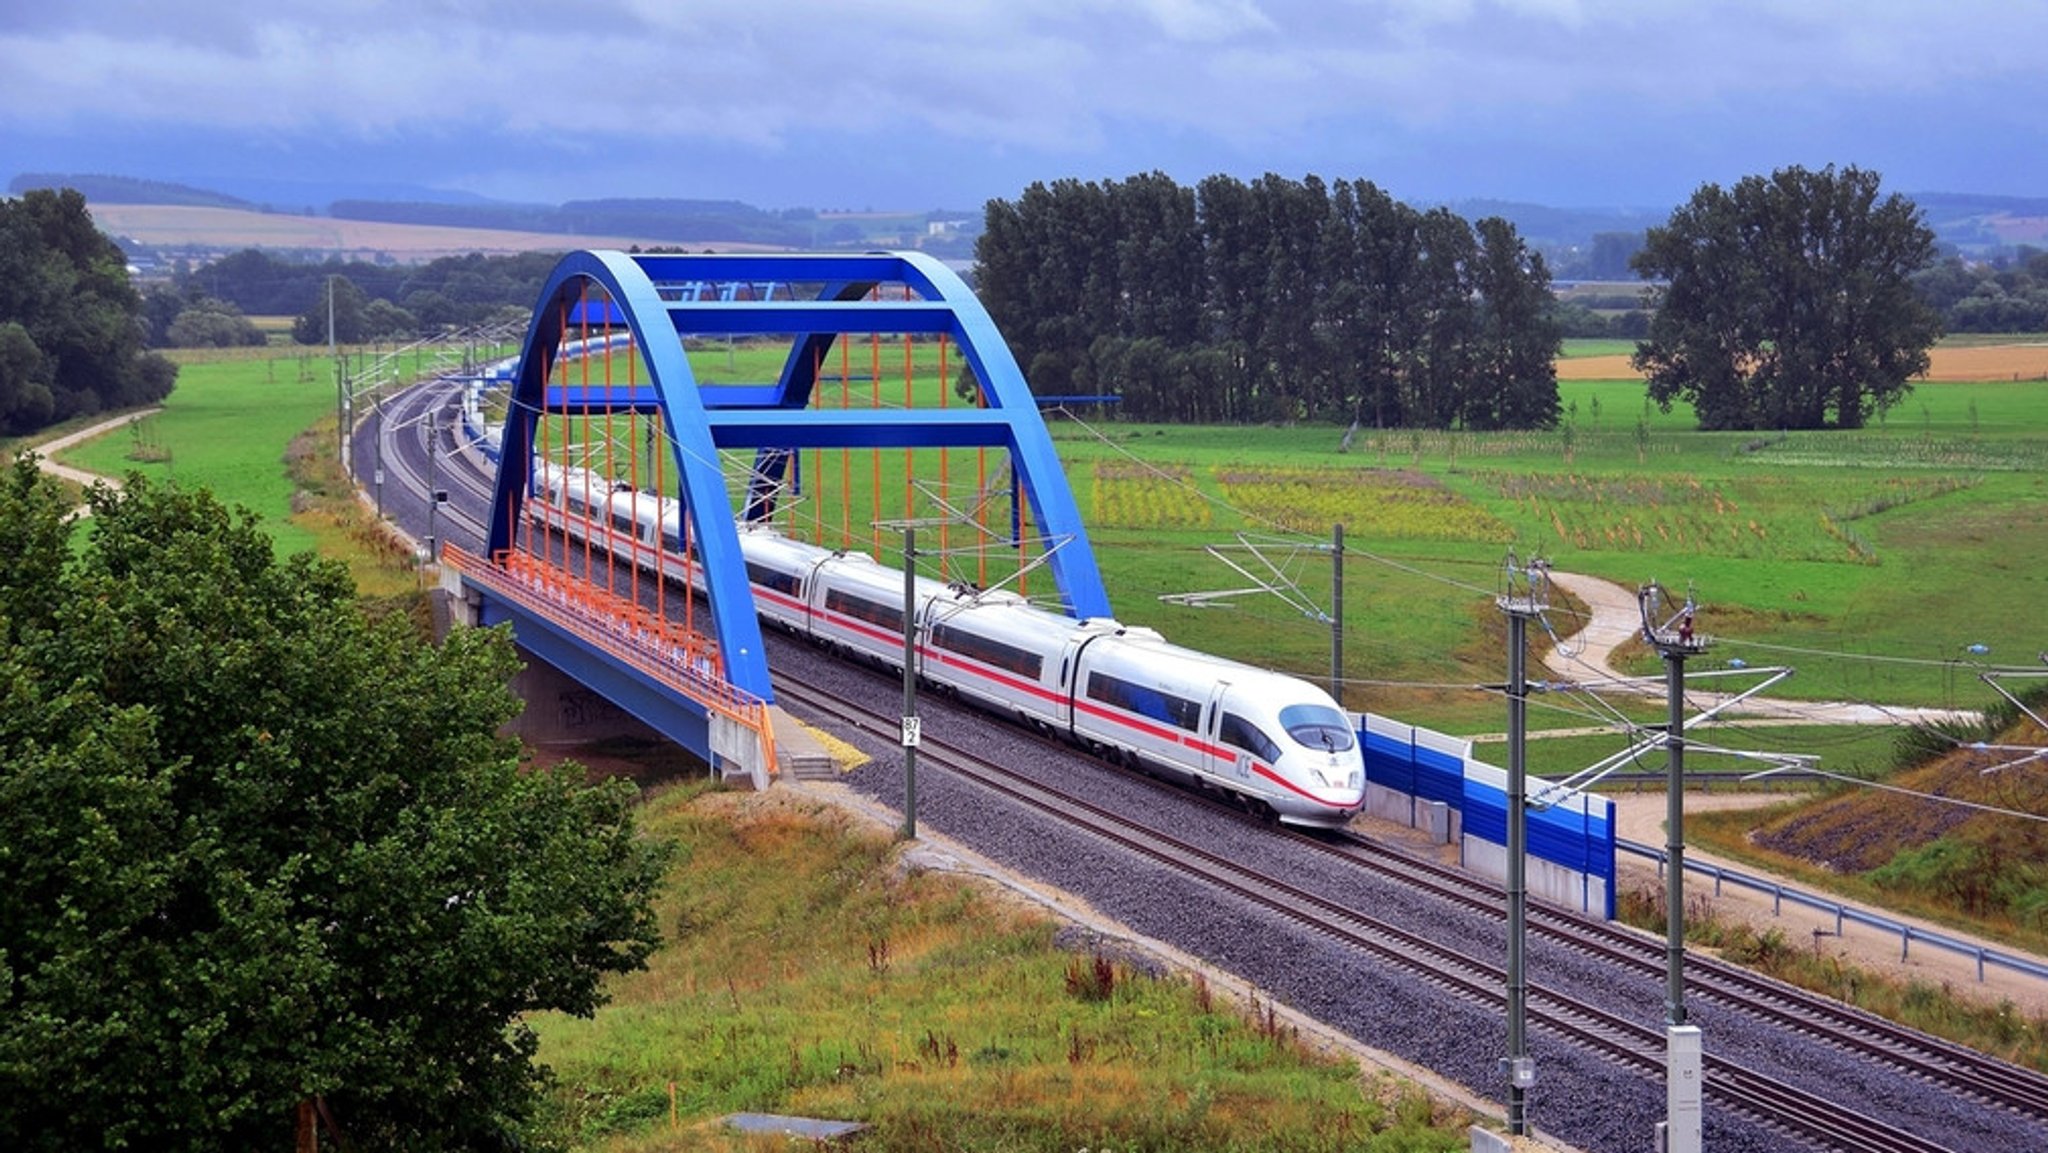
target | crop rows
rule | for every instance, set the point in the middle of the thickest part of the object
(1372, 503)
(1147, 496)
(1757, 518)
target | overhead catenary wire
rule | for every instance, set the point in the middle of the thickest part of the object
(1938, 798)
(1259, 518)
(1595, 704)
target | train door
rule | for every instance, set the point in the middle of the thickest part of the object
(1069, 679)
(1218, 759)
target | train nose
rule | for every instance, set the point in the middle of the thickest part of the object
(1339, 782)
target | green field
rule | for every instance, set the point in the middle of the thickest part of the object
(805, 974)
(1596, 346)
(1810, 548)
(226, 427)
(1869, 559)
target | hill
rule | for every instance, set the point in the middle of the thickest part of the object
(126, 190)
(1977, 226)
(1965, 851)
(199, 230)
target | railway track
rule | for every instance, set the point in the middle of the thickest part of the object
(413, 448)
(1626, 1043)
(1951, 1068)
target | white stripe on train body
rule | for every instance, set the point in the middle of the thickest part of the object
(1274, 741)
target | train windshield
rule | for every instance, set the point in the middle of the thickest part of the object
(1317, 727)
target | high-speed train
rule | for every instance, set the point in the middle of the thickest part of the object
(1275, 743)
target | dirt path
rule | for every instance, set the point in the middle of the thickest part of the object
(47, 450)
(1586, 658)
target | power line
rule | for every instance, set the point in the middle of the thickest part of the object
(1915, 793)
(1876, 658)
(1260, 518)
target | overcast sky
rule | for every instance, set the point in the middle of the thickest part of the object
(945, 103)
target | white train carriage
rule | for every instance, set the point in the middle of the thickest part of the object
(997, 650)
(782, 573)
(857, 605)
(1264, 736)
(1272, 740)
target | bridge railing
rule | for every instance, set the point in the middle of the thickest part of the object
(661, 649)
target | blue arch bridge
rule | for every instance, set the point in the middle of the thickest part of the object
(662, 405)
(837, 396)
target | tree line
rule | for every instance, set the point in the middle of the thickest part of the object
(1274, 300)
(2002, 296)
(69, 341)
(372, 301)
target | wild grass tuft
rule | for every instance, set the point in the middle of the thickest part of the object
(2001, 1029)
(811, 974)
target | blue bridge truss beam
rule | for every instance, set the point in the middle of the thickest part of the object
(638, 292)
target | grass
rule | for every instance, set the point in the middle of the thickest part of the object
(809, 972)
(1829, 546)
(1990, 339)
(226, 427)
(1824, 550)
(258, 430)
(1816, 549)
(2001, 1030)
(1856, 751)
(1905, 541)
(1596, 346)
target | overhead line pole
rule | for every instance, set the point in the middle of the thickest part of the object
(1520, 605)
(1674, 641)
(911, 723)
(1337, 614)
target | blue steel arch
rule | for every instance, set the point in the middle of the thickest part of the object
(773, 419)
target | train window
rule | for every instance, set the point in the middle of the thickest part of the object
(1243, 734)
(863, 609)
(1317, 727)
(670, 542)
(1144, 701)
(989, 651)
(783, 582)
(622, 521)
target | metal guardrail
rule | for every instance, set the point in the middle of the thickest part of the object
(1846, 914)
(682, 660)
(1707, 781)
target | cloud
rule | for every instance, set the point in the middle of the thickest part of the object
(1081, 85)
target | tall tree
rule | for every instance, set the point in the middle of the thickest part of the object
(1439, 360)
(1514, 381)
(1277, 300)
(1788, 301)
(257, 848)
(76, 341)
